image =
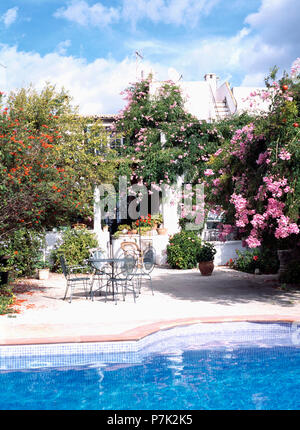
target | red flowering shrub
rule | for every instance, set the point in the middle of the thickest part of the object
(34, 187)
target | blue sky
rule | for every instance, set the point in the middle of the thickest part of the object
(88, 46)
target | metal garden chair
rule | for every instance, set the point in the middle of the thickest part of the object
(125, 274)
(145, 262)
(74, 278)
(102, 270)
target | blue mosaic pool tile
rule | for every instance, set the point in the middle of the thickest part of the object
(172, 341)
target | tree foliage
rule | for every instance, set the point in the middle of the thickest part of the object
(48, 166)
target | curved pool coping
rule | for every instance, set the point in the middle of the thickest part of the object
(142, 331)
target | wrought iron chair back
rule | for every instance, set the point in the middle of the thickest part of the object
(149, 258)
(63, 265)
(97, 254)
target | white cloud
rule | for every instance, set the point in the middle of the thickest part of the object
(275, 37)
(10, 16)
(63, 46)
(253, 80)
(220, 55)
(80, 12)
(277, 22)
(94, 86)
(178, 12)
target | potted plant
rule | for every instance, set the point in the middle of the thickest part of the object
(145, 230)
(43, 269)
(157, 220)
(162, 230)
(205, 258)
(124, 228)
(134, 229)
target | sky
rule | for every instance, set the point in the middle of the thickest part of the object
(89, 46)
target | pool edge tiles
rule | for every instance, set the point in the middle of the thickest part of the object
(33, 337)
(170, 340)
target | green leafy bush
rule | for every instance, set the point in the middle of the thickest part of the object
(74, 247)
(206, 252)
(182, 250)
(292, 274)
(265, 260)
(24, 249)
(6, 300)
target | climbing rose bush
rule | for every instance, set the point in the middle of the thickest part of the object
(161, 140)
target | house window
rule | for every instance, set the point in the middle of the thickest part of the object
(115, 142)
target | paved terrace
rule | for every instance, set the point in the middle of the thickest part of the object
(180, 297)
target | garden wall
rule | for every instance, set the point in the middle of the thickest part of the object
(226, 251)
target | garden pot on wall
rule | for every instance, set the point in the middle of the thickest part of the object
(206, 267)
(162, 231)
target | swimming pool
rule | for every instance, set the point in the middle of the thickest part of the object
(203, 366)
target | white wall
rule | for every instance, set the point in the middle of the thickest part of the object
(198, 99)
(242, 93)
(226, 251)
(197, 95)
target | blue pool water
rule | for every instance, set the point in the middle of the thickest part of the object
(212, 375)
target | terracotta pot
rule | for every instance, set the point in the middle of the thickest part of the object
(206, 267)
(162, 231)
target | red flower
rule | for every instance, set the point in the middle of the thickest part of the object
(255, 258)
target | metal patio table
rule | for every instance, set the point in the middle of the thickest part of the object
(112, 280)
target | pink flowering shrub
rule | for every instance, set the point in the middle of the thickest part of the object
(256, 178)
